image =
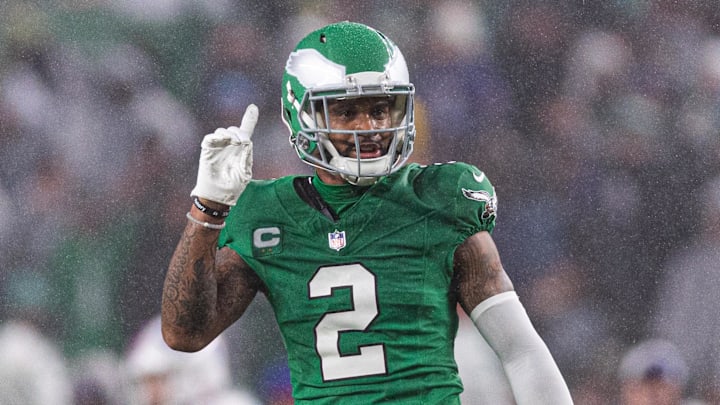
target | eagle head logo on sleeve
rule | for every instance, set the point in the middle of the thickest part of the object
(490, 201)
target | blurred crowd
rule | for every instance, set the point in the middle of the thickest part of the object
(597, 122)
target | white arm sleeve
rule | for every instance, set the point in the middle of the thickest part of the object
(534, 377)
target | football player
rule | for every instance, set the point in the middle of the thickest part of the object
(365, 261)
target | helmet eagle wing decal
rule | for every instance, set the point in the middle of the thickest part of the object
(313, 69)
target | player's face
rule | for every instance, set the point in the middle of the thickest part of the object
(361, 114)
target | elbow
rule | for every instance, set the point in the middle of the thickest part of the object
(182, 342)
(181, 345)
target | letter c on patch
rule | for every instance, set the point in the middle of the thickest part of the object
(266, 237)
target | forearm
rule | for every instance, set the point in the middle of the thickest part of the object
(531, 370)
(189, 299)
(205, 292)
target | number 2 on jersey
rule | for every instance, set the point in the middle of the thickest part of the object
(371, 358)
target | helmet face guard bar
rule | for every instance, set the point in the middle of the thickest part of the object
(314, 147)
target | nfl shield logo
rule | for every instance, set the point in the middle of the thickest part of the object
(336, 240)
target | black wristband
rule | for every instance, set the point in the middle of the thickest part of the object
(209, 211)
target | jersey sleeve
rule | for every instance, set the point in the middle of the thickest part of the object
(476, 201)
(460, 192)
(244, 211)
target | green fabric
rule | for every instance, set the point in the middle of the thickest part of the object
(339, 197)
(385, 290)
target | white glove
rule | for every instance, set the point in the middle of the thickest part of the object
(226, 161)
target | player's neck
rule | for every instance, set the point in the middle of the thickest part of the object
(329, 178)
(336, 193)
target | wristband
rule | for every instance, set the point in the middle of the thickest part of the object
(209, 211)
(205, 224)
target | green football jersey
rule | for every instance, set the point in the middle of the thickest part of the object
(364, 303)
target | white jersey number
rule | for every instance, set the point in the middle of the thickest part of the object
(371, 358)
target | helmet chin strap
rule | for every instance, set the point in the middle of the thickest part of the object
(376, 167)
(360, 181)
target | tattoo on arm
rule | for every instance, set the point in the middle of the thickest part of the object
(205, 289)
(188, 293)
(237, 285)
(478, 273)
